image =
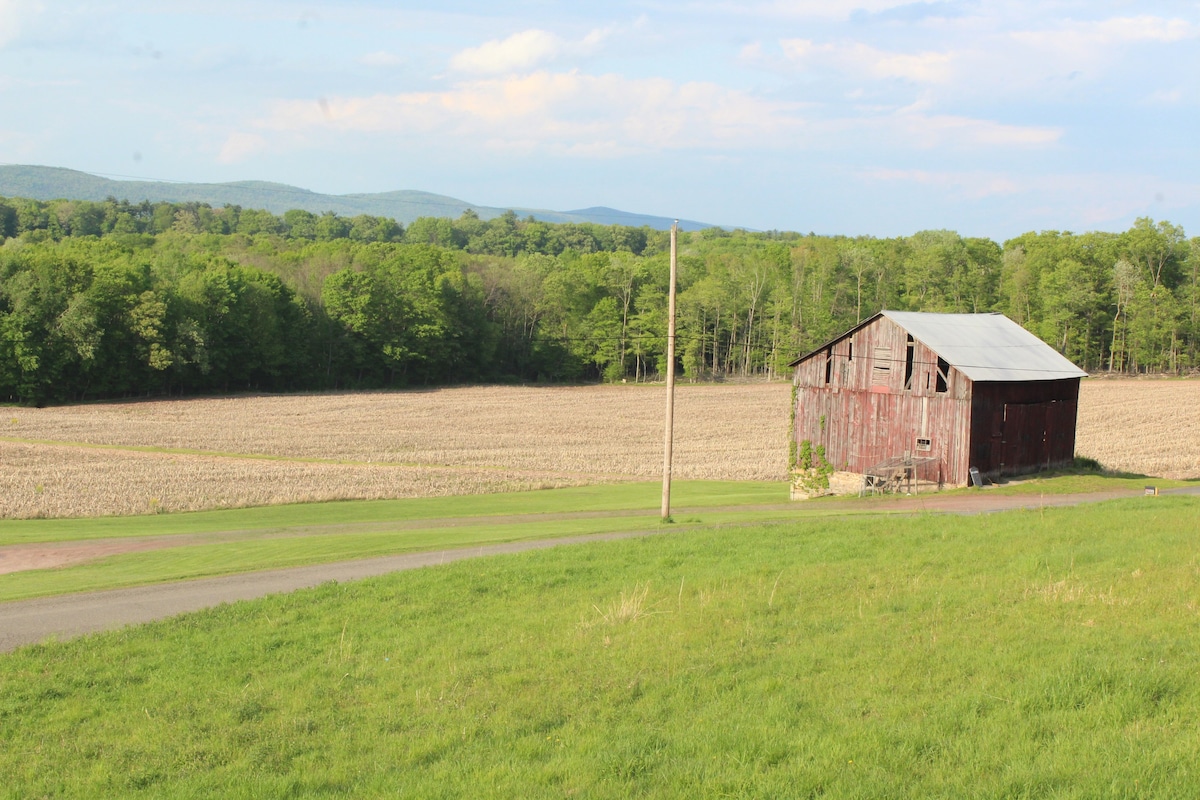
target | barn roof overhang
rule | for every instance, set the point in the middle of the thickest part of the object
(984, 347)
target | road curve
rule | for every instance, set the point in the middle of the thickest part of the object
(66, 616)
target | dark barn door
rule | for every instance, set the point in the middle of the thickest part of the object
(1024, 445)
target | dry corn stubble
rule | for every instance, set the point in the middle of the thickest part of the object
(736, 431)
(50, 481)
(473, 440)
(461, 441)
(1146, 426)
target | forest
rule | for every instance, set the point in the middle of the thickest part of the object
(113, 299)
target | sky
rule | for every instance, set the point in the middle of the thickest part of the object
(854, 117)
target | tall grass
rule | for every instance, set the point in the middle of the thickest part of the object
(1034, 654)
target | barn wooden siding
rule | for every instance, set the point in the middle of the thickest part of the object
(874, 394)
(851, 398)
(1023, 426)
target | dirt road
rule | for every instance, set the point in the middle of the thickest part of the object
(28, 621)
(66, 616)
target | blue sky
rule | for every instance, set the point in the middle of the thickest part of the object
(871, 117)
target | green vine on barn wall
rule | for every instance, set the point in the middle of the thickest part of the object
(811, 471)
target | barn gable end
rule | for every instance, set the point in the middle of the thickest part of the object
(944, 391)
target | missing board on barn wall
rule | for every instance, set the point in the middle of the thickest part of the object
(924, 445)
(881, 369)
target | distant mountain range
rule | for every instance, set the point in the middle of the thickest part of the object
(56, 183)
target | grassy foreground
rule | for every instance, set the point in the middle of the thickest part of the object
(211, 543)
(1029, 654)
(252, 539)
(600, 497)
(1082, 482)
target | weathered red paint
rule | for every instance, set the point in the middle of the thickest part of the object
(852, 397)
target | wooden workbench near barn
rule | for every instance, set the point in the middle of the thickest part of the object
(937, 394)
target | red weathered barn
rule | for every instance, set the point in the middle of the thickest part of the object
(940, 393)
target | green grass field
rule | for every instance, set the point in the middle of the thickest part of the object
(250, 539)
(602, 497)
(1027, 654)
(1077, 482)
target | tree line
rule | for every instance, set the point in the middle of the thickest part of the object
(112, 299)
(37, 220)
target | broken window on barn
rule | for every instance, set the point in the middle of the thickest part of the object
(943, 374)
(908, 364)
(881, 368)
(829, 363)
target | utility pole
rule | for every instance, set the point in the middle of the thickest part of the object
(670, 432)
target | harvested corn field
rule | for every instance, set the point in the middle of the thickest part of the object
(118, 458)
(1145, 426)
(57, 481)
(171, 455)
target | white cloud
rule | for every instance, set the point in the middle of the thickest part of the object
(977, 58)
(937, 130)
(862, 59)
(597, 116)
(812, 9)
(240, 146)
(1165, 96)
(519, 52)
(569, 113)
(752, 52)
(1147, 29)
(14, 14)
(523, 51)
(1075, 35)
(1094, 46)
(590, 43)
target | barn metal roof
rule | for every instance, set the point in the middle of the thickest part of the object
(986, 347)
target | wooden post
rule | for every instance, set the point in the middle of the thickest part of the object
(670, 431)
